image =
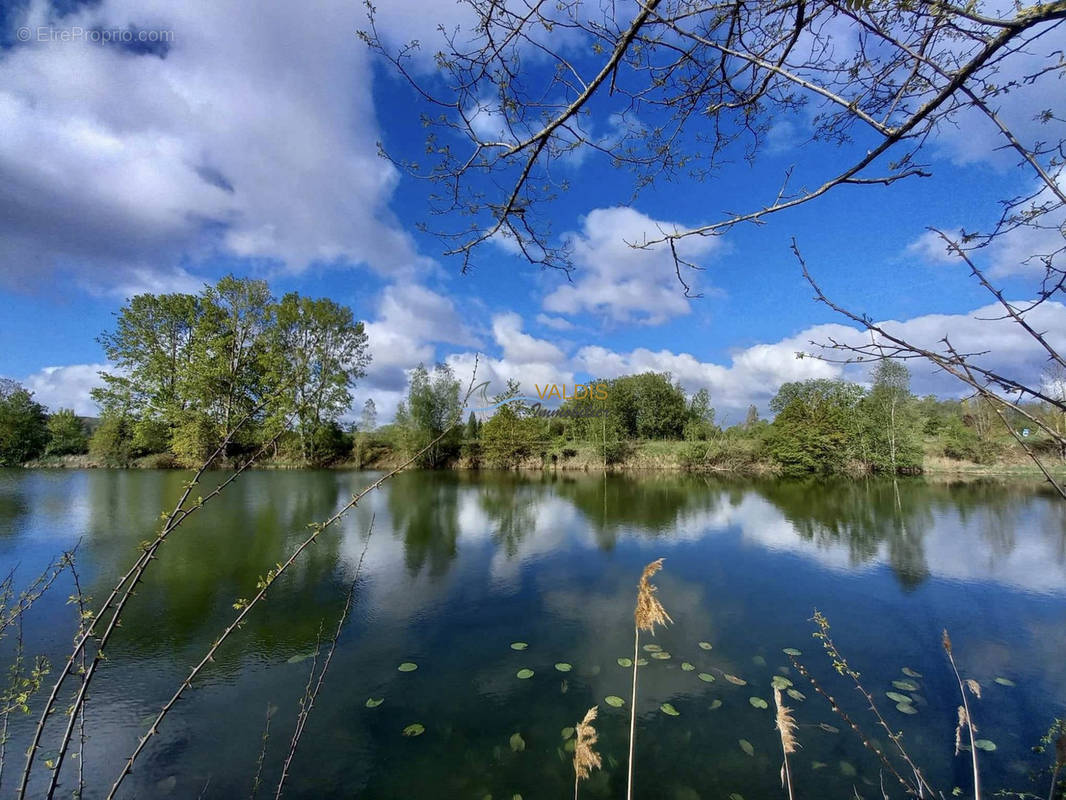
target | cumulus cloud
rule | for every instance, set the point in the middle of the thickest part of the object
(555, 323)
(623, 283)
(115, 163)
(67, 387)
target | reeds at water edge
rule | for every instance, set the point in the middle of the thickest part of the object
(648, 613)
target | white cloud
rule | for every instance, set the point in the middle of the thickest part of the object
(67, 387)
(254, 136)
(555, 323)
(623, 283)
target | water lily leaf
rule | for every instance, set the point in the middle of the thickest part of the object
(666, 708)
(759, 661)
(796, 694)
(625, 662)
(847, 769)
(746, 746)
(715, 704)
(706, 677)
(524, 674)
(907, 686)
(1005, 682)
(407, 666)
(687, 667)
(614, 701)
(780, 682)
(562, 666)
(566, 732)
(733, 679)
(897, 697)
(818, 765)
(414, 729)
(792, 651)
(519, 645)
(296, 659)
(757, 702)
(736, 796)
(906, 708)
(518, 744)
(825, 726)
(570, 746)
(652, 648)
(661, 655)
(374, 702)
(910, 673)
(985, 744)
(642, 662)
(705, 645)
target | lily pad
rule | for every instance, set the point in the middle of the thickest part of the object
(687, 667)
(625, 662)
(705, 645)
(910, 673)
(614, 701)
(847, 769)
(746, 746)
(414, 729)
(759, 661)
(566, 732)
(715, 704)
(666, 708)
(407, 666)
(642, 662)
(906, 708)
(985, 744)
(1005, 682)
(896, 697)
(652, 648)
(736, 796)
(706, 677)
(296, 659)
(796, 694)
(374, 702)
(906, 686)
(524, 674)
(562, 666)
(792, 651)
(733, 679)
(660, 655)
(780, 682)
(518, 744)
(825, 726)
(757, 702)
(519, 645)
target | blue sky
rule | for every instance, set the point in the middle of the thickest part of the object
(247, 144)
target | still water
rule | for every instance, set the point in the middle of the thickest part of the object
(460, 566)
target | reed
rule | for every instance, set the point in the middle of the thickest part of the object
(786, 729)
(585, 758)
(649, 613)
(965, 718)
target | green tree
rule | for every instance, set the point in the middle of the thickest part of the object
(23, 425)
(890, 420)
(509, 437)
(315, 353)
(111, 442)
(369, 419)
(815, 427)
(473, 428)
(432, 408)
(66, 434)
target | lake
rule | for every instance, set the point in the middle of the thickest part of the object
(462, 565)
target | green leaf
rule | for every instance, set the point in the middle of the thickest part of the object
(906, 686)
(407, 666)
(374, 702)
(985, 744)
(746, 746)
(715, 704)
(847, 770)
(906, 708)
(296, 659)
(666, 708)
(614, 701)
(759, 661)
(566, 732)
(661, 656)
(625, 662)
(652, 648)
(1005, 682)
(706, 677)
(524, 674)
(518, 744)
(792, 651)
(733, 679)
(896, 697)
(414, 729)
(687, 667)
(758, 702)
(910, 673)
(705, 645)
(780, 682)
(796, 694)
(519, 645)
(562, 666)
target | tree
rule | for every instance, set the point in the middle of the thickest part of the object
(752, 418)
(110, 443)
(314, 352)
(814, 430)
(473, 428)
(509, 437)
(891, 421)
(369, 419)
(432, 408)
(700, 423)
(66, 434)
(23, 425)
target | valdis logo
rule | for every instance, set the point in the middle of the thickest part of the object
(579, 391)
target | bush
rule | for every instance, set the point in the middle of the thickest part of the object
(110, 442)
(67, 434)
(23, 428)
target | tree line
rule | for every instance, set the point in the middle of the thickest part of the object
(230, 368)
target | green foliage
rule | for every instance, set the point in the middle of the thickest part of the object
(432, 408)
(195, 438)
(890, 421)
(510, 437)
(66, 434)
(23, 425)
(111, 442)
(816, 426)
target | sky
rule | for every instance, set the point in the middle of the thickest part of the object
(247, 143)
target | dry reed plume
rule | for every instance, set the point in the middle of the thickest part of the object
(965, 718)
(786, 727)
(585, 758)
(649, 613)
